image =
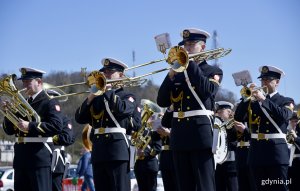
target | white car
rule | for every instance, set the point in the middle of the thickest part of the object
(6, 178)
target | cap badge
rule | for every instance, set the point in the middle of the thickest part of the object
(23, 71)
(265, 69)
(186, 33)
(106, 62)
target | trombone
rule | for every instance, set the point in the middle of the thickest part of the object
(178, 59)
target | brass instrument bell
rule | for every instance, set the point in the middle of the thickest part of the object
(86, 133)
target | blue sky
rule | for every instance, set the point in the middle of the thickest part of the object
(65, 35)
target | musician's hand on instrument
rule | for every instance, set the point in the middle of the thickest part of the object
(3, 105)
(293, 133)
(163, 131)
(172, 73)
(23, 125)
(258, 95)
(239, 126)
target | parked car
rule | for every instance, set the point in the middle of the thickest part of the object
(71, 173)
(6, 178)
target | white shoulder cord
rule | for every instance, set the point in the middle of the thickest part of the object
(272, 121)
(114, 119)
(193, 91)
(195, 95)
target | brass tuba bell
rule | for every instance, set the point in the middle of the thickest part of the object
(86, 133)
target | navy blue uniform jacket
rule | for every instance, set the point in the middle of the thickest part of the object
(113, 146)
(192, 132)
(272, 151)
(31, 155)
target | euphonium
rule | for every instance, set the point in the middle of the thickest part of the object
(16, 106)
(142, 137)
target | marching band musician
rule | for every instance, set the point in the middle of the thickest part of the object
(34, 143)
(268, 117)
(294, 169)
(64, 138)
(226, 173)
(245, 180)
(192, 93)
(166, 164)
(146, 164)
(110, 116)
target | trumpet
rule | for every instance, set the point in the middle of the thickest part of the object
(246, 92)
(228, 124)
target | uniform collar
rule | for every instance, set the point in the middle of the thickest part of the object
(36, 94)
(272, 94)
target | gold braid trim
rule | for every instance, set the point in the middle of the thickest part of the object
(178, 98)
(215, 81)
(250, 116)
(289, 107)
(39, 127)
(94, 115)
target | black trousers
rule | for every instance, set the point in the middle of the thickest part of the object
(147, 180)
(57, 179)
(111, 176)
(169, 180)
(245, 179)
(195, 170)
(294, 176)
(36, 179)
(270, 177)
(226, 180)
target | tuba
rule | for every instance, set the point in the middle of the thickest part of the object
(86, 141)
(16, 106)
(142, 137)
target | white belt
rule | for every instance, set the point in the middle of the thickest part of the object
(34, 139)
(102, 130)
(263, 136)
(182, 114)
(243, 144)
(296, 155)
